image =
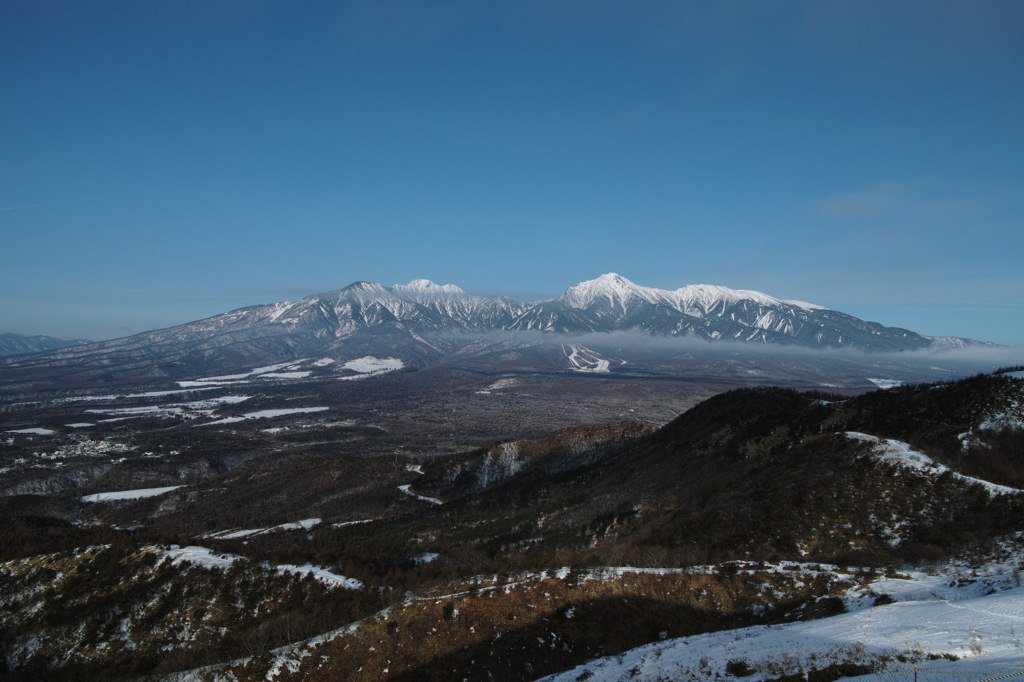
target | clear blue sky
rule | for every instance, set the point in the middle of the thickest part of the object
(167, 160)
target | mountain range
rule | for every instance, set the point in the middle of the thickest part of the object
(421, 322)
(15, 344)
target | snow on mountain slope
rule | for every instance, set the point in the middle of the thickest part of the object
(422, 320)
(695, 299)
(907, 456)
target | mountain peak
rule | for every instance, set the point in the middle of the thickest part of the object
(611, 286)
(425, 286)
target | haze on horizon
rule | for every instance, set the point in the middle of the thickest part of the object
(169, 161)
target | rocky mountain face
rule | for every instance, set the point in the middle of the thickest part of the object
(422, 322)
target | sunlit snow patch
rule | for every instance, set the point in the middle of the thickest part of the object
(425, 558)
(886, 383)
(905, 455)
(136, 494)
(304, 524)
(34, 431)
(369, 366)
(189, 409)
(321, 574)
(202, 556)
(282, 370)
(431, 500)
(266, 414)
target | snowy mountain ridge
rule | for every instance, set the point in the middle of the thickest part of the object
(422, 319)
(693, 299)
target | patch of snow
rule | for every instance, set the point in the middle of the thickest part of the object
(905, 455)
(33, 431)
(323, 362)
(431, 500)
(201, 556)
(136, 494)
(425, 558)
(266, 414)
(351, 523)
(886, 383)
(284, 375)
(369, 366)
(321, 574)
(304, 524)
(79, 425)
(956, 610)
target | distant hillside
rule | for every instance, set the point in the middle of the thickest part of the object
(16, 344)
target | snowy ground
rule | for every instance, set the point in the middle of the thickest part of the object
(974, 614)
(266, 414)
(906, 455)
(359, 368)
(886, 383)
(235, 534)
(971, 610)
(136, 494)
(201, 556)
(370, 366)
(431, 500)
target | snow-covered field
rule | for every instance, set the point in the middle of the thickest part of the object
(266, 414)
(33, 431)
(194, 408)
(973, 614)
(358, 368)
(370, 366)
(136, 494)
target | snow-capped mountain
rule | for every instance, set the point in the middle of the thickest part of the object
(422, 321)
(612, 302)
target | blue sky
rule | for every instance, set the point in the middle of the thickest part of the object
(168, 160)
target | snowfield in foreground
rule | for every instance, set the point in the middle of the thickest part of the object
(975, 614)
(963, 617)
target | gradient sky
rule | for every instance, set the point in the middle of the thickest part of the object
(167, 160)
